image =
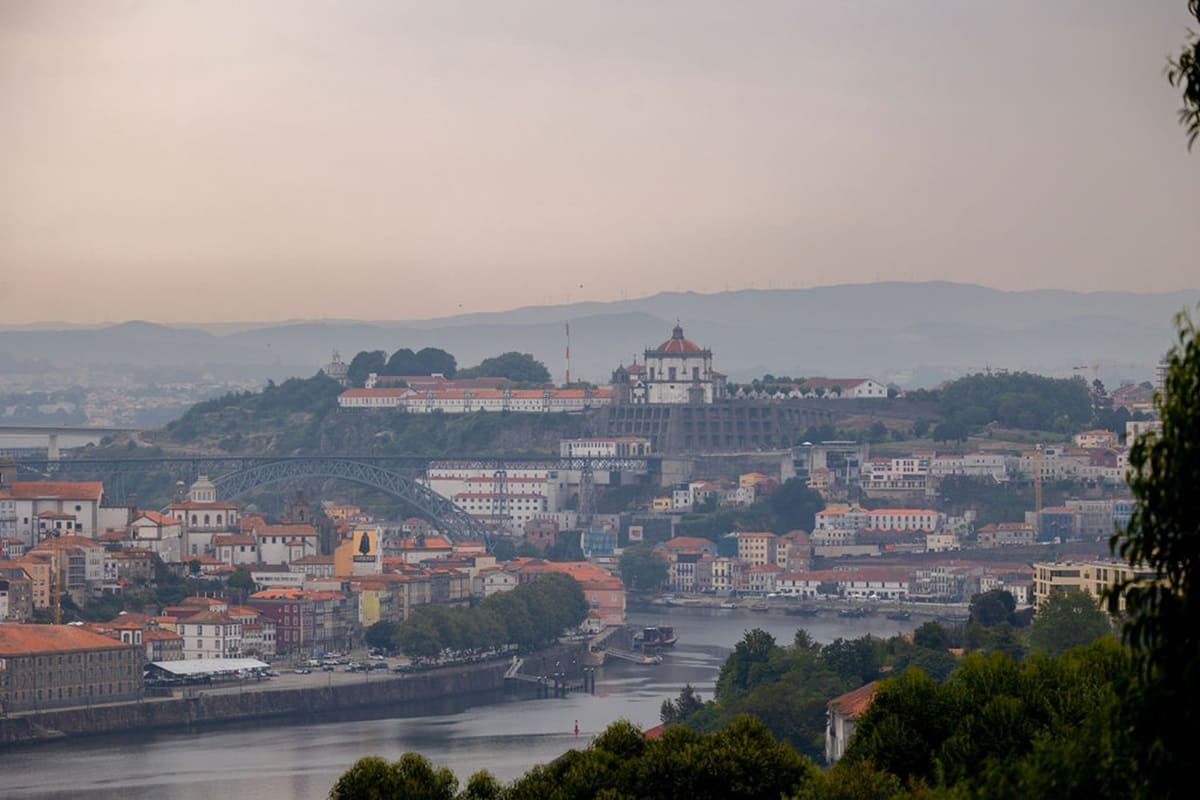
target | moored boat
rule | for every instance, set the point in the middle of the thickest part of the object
(654, 637)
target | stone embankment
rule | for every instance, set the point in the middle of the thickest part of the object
(262, 703)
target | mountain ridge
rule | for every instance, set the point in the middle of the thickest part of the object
(892, 331)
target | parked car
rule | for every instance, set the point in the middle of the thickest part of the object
(303, 671)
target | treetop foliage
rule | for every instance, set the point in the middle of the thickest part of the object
(1162, 613)
(1016, 400)
(517, 367)
(1183, 72)
(528, 616)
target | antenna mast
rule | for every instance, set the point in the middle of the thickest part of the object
(568, 383)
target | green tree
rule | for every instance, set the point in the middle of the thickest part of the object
(931, 635)
(517, 367)
(382, 635)
(920, 428)
(796, 505)
(742, 761)
(363, 364)
(404, 362)
(755, 648)
(1066, 619)
(642, 569)
(950, 431)
(435, 360)
(504, 549)
(688, 702)
(482, 786)
(412, 777)
(854, 660)
(240, 582)
(993, 607)
(858, 780)
(1183, 73)
(1162, 542)
(419, 637)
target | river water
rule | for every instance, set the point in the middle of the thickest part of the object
(504, 733)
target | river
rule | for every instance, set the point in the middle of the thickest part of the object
(502, 733)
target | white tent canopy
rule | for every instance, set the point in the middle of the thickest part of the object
(192, 667)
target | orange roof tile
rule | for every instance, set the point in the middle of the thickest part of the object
(66, 490)
(852, 704)
(17, 639)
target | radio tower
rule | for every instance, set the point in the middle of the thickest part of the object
(568, 383)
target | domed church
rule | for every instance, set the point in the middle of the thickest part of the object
(677, 371)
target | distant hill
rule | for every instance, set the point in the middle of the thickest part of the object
(909, 333)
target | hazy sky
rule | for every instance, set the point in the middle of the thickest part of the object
(239, 160)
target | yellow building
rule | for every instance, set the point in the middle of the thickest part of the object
(1092, 577)
(360, 554)
(39, 572)
(662, 504)
(756, 548)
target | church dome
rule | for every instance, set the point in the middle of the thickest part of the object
(678, 344)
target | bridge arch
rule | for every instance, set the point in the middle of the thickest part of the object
(450, 518)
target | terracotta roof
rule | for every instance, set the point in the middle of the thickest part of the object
(852, 704)
(313, 560)
(156, 517)
(209, 618)
(286, 530)
(677, 344)
(205, 602)
(375, 393)
(189, 505)
(232, 539)
(431, 543)
(688, 541)
(16, 639)
(65, 490)
(758, 534)
(63, 542)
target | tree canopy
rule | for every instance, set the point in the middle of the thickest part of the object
(517, 367)
(1163, 608)
(642, 569)
(426, 361)
(795, 505)
(1183, 72)
(528, 616)
(363, 364)
(1066, 619)
(1015, 400)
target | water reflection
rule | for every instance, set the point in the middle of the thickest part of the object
(505, 733)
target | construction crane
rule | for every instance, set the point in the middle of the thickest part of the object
(1096, 366)
(55, 595)
(1037, 479)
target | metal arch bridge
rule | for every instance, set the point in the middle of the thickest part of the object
(236, 475)
(451, 519)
